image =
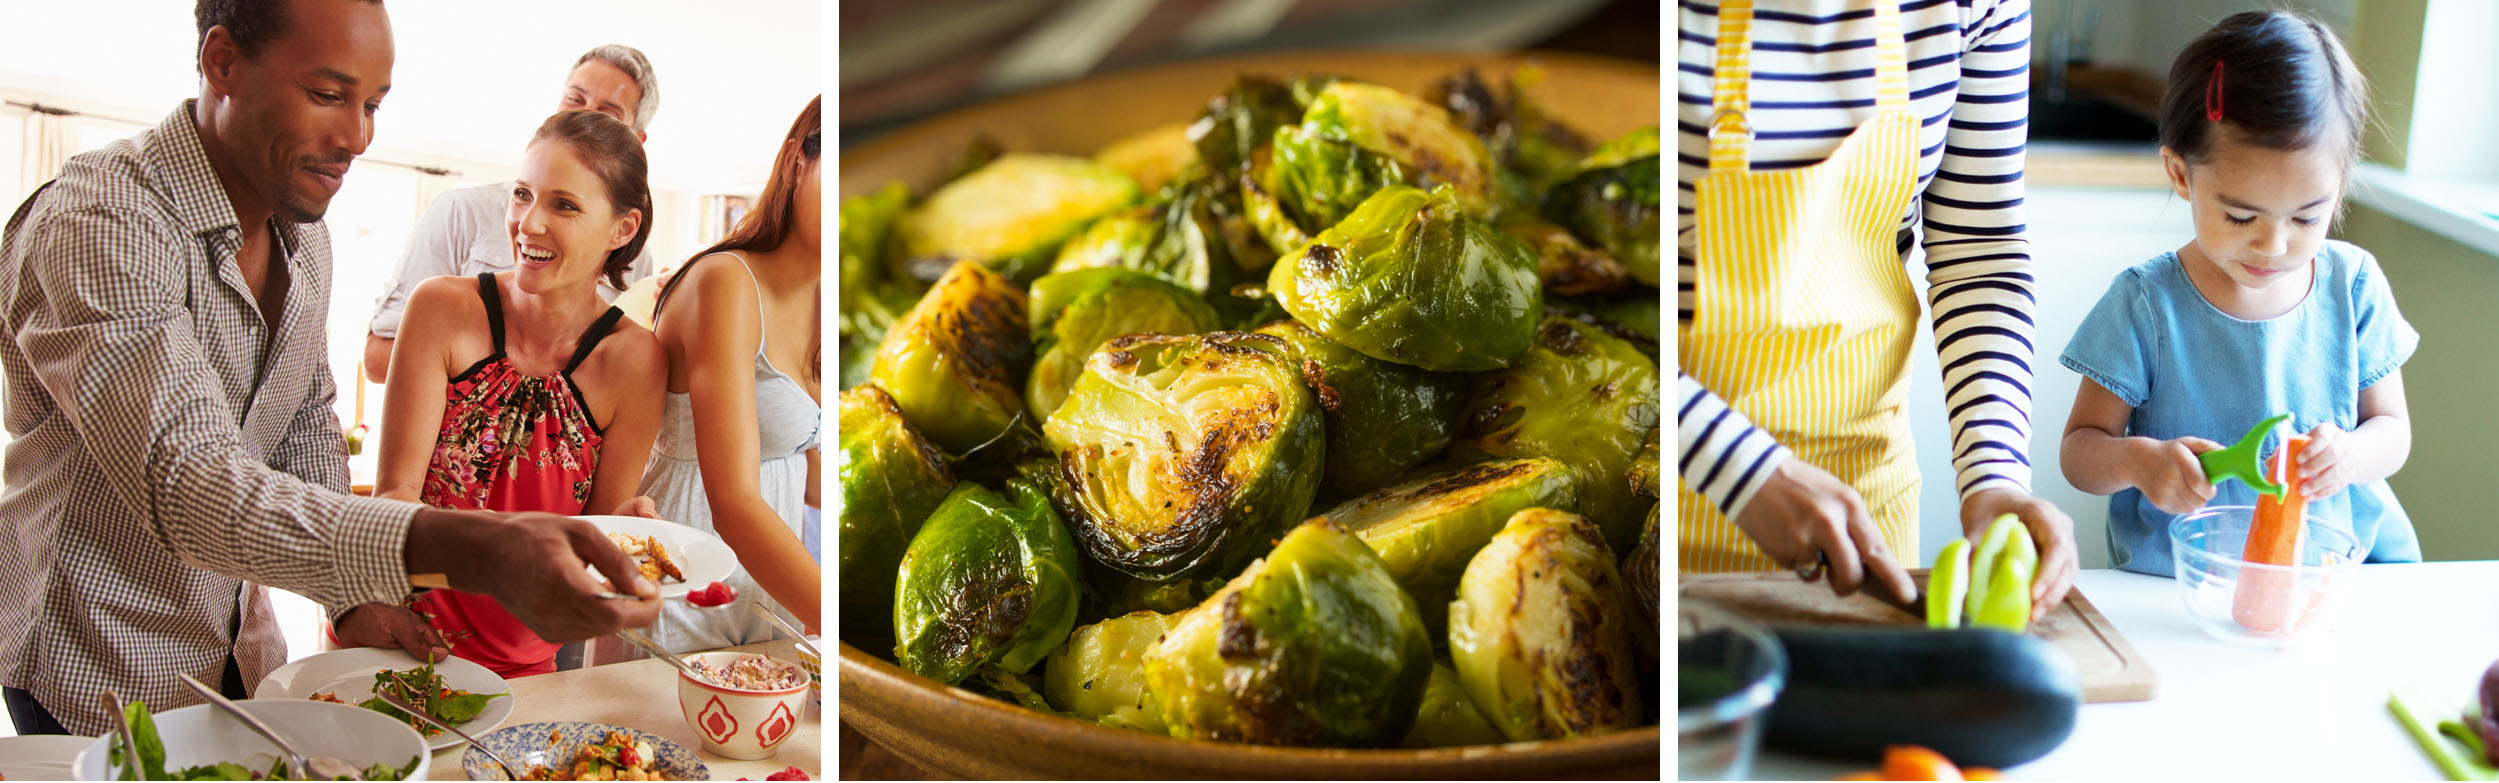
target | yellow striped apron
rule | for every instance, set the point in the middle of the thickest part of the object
(1804, 316)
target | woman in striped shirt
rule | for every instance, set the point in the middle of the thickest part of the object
(1818, 140)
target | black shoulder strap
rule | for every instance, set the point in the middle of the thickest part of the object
(590, 339)
(26, 206)
(486, 290)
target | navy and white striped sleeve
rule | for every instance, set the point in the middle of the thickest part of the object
(1723, 457)
(1978, 263)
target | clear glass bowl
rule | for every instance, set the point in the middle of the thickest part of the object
(1728, 671)
(2257, 604)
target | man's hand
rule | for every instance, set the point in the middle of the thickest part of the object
(533, 564)
(2050, 529)
(2170, 475)
(384, 625)
(1802, 512)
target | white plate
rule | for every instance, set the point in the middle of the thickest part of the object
(47, 757)
(702, 557)
(348, 674)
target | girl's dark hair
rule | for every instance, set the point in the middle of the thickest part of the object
(607, 145)
(2286, 83)
(775, 213)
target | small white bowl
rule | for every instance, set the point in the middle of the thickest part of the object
(740, 724)
(204, 734)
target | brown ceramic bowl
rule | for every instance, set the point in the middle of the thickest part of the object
(953, 732)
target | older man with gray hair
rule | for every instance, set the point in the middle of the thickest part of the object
(463, 233)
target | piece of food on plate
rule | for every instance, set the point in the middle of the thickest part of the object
(649, 555)
(424, 688)
(616, 757)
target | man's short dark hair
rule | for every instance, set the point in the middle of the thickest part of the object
(253, 23)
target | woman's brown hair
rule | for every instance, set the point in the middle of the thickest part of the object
(609, 147)
(775, 213)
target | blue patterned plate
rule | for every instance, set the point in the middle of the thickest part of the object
(528, 744)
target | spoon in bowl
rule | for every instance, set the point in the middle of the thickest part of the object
(312, 768)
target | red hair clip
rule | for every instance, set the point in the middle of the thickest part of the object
(2212, 95)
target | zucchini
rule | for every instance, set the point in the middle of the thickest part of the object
(1980, 696)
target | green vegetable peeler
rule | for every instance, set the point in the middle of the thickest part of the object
(2241, 461)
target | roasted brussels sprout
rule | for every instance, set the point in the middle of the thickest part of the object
(1381, 418)
(1644, 475)
(1182, 456)
(870, 302)
(1099, 674)
(1242, 120)
(1541, 632)
(1076, 312)
(1640, 569)
(1427, 530)
(951, 363)
(1313, 645)
(891, 479)
(984, 582)
(1448, 718)
(1613, 202)
(1565, 266)
(1010, 215)
(1581, 397)
(1152, 158)
(1515, 130)
(1355, 138)
(1408, 279)
(1633, 315)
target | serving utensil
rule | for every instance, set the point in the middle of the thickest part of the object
(129, 741)
(786, 627)
(661, 653)
(301, 767)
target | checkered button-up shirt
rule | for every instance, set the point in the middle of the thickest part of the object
(169, 455)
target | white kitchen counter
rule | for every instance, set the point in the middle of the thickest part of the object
(2225, 712)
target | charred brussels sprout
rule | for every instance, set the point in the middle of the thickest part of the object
(1613, 202)
(1182, 456)
(1427, 530)
(1409, 279)
(1099, 674)
(1640, 569)
(1644, 476)
(1242, 120)
(1448, 718)
(1010, 215)
(1382, 418)
(952, 362)
(1355, 138)
(1541, 632)
(1580, 397)
(1314, 645)
(1565, 266)
(891, 479)
(1168, 239)
(1076, 312)
(870, 302)
(985, 581)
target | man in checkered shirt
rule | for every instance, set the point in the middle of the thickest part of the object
(175, 448)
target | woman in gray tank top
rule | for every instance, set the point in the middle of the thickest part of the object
(743, 409)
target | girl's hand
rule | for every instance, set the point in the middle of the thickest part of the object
(638, 506)
(1802, 511)
(2172, 478)
(2325, 467)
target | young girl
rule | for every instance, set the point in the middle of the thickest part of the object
(2260, 314)
(522, 391)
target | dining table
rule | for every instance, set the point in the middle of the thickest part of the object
(2316, 710)
(642, 694)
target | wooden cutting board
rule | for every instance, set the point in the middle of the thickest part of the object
(2111, 669)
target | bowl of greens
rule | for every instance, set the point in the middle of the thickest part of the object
(202, 742)
(1286, 415)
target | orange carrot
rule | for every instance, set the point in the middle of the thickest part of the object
(2265, 602)
(1910, 762)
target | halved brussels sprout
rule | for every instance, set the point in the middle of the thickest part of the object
(1633, 315)
(1381, 418)
(1099, 674)
(1515, 129)
(1641, 570)
(1581, 397)
(951, 363)
(1644, 475)
(1182, 456)
(1010, 215)
(1427, 530)
(870, 302)
(891, 479)
(1409, 279)
(1262, 211)
(985, 581)
(1541, 631)
(1166, 239)
(1075, 312)
(1564, 265)
(1448, 718)
(1313, 645)
(1419, 142)
(1613, 202)
(1151, 158)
